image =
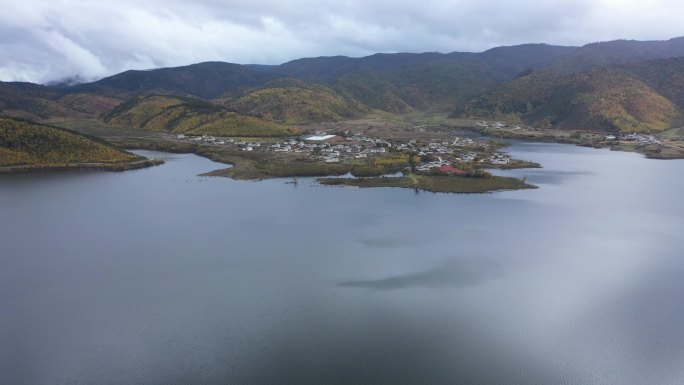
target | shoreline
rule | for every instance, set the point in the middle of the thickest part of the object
(434, 183)
(667, 150)
(260, 164)
(82, 167)
(418, 157)
(253, 166)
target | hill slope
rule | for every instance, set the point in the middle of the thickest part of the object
(391, 82)
(666, 76)
(617, 85)
(298, 102)
(36, 102)
(190, 116)
(619, 52)
(25, 143)
(608, 99)
(427, 81)
(205, 80)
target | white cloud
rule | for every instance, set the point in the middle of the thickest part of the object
(43, 40)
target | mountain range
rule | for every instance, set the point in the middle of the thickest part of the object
(609, 86)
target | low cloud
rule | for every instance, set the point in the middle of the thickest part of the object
(44, 40)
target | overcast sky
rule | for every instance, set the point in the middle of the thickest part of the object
(46, 40)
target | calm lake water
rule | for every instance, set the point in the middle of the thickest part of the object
(162, 277)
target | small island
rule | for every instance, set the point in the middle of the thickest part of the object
(434, 183)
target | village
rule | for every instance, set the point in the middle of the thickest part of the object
(330, 148)
(451, 154)
(634, 137)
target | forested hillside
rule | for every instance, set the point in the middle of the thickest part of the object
(190, 116)
(610, 86)
(24, 143)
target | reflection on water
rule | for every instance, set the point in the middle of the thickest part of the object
(160, 276)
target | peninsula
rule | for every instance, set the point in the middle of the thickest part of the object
(28, 146)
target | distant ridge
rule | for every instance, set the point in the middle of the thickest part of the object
(600, 86)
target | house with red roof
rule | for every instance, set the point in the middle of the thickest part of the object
(449, 169)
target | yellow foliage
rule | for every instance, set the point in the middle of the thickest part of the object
(190, 116)
(299, 104)
(25, 142)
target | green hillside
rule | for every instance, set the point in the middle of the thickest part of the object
(89, 105)
(610, 86)
(296, 101)
(31, 101)
(25, 143)
(36, 102)
(608, 99)
(666, 76)
(428, 82)
(204, 80)
(617, 53)
(190, 116)
(398, 82)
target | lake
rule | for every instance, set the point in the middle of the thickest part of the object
(160, 276)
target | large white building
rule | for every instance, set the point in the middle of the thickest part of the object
(320, 138)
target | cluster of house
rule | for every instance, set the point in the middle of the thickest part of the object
(486, 124)
(334, 148)
(642, 139)
(497, 159)
(434, 164)
(444, 147)
(205, 139)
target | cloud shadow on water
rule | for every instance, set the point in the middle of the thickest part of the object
(387, 242)
(453, 272)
